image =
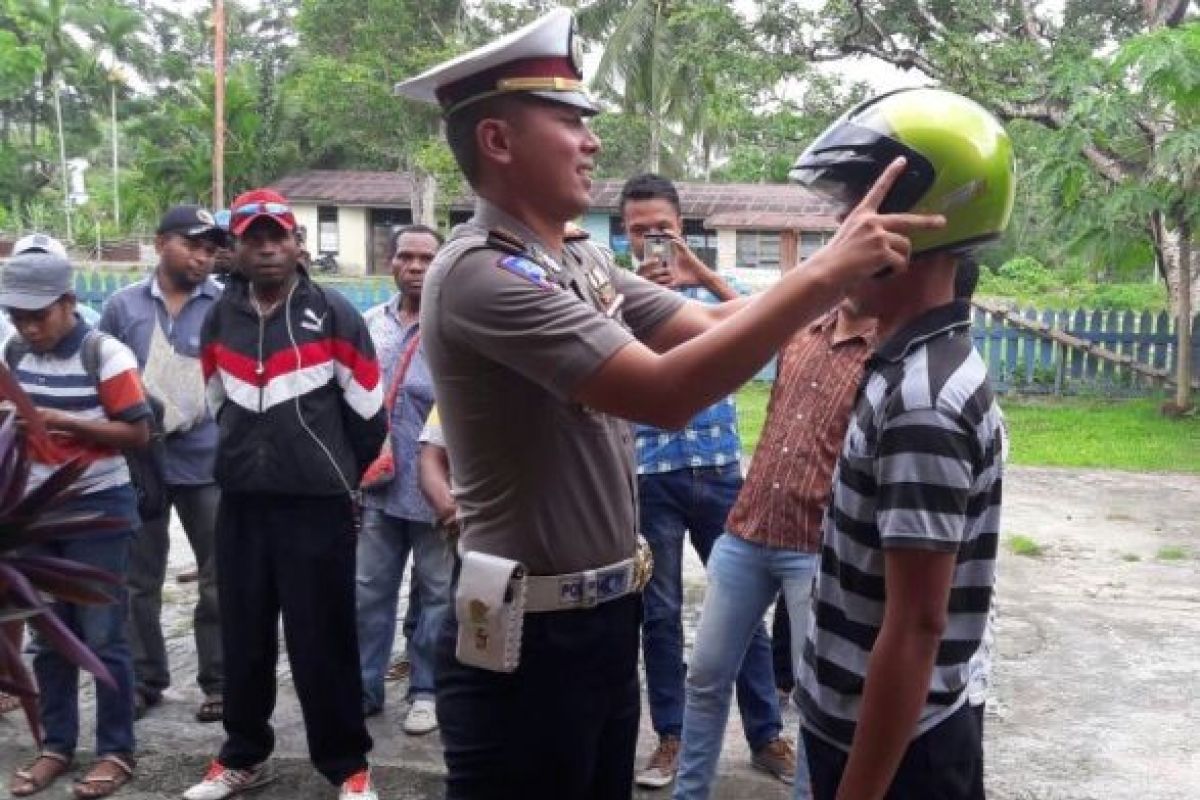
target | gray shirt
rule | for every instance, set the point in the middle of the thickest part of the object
(538, 478)
(130, 315)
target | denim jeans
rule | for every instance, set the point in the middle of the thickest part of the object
(100, 628)
(695, 501)
(197, 510)
(383, 548)
(743, 580)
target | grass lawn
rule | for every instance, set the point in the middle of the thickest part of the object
(1062, 432)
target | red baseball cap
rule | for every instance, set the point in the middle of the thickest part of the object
(258, 203)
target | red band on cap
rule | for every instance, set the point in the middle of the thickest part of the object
(487, 81)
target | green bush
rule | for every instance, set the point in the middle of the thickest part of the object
(1122, 296)
(1027, 281)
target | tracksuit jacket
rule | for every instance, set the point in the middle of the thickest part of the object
(296, 395)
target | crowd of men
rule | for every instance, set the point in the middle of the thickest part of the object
(480, 422)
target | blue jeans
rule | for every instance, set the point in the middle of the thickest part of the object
(100, 628)
(743, 580)
(695, 501)
(383, 548)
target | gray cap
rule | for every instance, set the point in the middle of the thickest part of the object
(32, 281)
(39, 243)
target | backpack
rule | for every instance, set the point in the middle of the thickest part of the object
(146, 464)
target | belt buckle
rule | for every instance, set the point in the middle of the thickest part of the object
(643, 565)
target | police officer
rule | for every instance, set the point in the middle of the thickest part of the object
(541, 348)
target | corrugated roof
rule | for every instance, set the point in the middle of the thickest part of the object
(706, 199)
(771, 220)
(347, 187)
(394, 189)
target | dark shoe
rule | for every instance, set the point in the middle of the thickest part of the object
(143, 701)
(188, 576)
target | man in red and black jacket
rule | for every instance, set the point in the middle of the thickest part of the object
(294, 385)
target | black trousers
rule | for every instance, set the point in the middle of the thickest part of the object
(295, 555)
(564, 725)
(945, 763)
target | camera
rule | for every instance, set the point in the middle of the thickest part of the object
(660, 246)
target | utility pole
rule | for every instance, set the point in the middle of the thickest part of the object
(62, 160)
(218, 154)
(113, 77)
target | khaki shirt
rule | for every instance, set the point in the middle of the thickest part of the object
(538, 477)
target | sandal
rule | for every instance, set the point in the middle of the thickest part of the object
(106, 776)
(8, 702)
(39, 774)
(212, 709)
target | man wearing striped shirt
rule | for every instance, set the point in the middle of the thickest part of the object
(87, 391)
(902, 597)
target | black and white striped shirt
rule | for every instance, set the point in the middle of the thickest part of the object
(920, 468)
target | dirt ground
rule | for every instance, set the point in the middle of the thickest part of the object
(1097, 683)
(1096, 692)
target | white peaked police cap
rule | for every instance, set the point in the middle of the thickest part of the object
(542, 59)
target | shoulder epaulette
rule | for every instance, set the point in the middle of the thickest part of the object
(504, 240)
(574, 233)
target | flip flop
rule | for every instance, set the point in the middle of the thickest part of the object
(28, 781)
(212, 709)
(106, 776)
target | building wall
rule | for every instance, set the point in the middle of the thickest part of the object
(306, 217)
(353, 240)
(726, 249)
(746, 279)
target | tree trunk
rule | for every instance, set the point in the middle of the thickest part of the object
(1169, 242)
(655, 143)
(424, 198)
(1183, 387)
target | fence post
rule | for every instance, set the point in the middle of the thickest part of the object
(1195, 348)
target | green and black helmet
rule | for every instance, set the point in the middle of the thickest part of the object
(960, 163)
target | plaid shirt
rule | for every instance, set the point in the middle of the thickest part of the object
(709, 440)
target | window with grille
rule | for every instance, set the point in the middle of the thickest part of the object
(758, 249)
(812, 241)
(327, 229)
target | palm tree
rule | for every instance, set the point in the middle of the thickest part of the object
(658, 63)
(114, 28)
(640, 71)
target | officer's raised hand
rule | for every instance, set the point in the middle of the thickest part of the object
(868, 242)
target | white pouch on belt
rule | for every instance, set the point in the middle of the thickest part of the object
(490, 605)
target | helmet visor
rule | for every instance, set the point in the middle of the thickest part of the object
(847, 160)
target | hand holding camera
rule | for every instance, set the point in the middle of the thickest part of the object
(658, 253)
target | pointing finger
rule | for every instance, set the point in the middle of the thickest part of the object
(887, 179)
(912, 222)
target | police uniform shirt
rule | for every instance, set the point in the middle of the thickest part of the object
(538, 477)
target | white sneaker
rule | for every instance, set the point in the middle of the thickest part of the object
(421, 718)
(358, 787)
(221, 782)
